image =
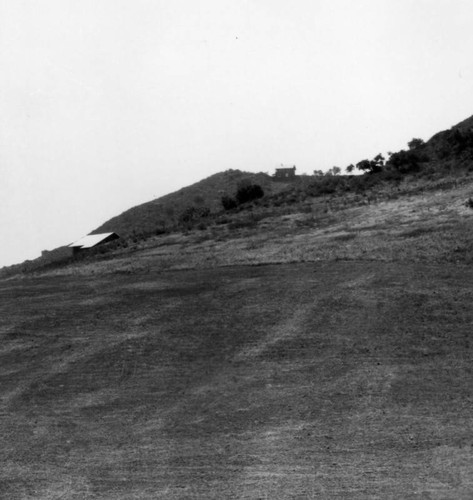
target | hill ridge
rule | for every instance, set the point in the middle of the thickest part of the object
(163, 212)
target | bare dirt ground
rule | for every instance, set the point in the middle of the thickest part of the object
(326, 379)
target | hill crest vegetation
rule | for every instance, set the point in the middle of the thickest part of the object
(233, 200)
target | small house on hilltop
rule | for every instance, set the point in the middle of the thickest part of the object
(91, 241)
(285, 174)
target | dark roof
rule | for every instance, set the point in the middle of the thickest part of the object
(291, 169)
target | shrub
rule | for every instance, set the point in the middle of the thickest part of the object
(228, 202)
(249, 193)
(192, 214)
(415, 143)
(362, 183)
(326, 185)
(371, 166)
(406, 161)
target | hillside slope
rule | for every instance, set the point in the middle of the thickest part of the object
(308, 346)
(451, 149)
(431, 223)
(163, 212)
(446, 152)
(329, 380)
(323, 354)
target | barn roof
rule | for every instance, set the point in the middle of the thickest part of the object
(91, 240)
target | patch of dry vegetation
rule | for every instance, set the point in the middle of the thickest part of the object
(426, 226)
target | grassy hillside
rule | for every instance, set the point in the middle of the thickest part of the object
(324, 380)
(323, 353)
(445, 160)
(428, 223)
(314, 343)
(164, 212)
(449, 152)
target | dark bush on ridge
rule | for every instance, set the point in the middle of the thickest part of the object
(228, 202)
(249, 193)
(406, 161)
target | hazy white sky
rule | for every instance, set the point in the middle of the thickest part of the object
(106, 104)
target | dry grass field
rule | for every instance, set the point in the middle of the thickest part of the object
(423, 227)
(321, 355)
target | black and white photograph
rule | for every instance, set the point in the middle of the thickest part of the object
(236, 256)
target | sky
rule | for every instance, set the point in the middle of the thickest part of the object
(106, 104)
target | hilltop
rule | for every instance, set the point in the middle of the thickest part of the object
(447, 153)
(164, 212)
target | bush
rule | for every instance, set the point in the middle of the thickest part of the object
(228, 202)
(406, 161)
(415, 143)
(326, 185)
(193, 214)
(249, 193)
(362, 183)
(371, 166)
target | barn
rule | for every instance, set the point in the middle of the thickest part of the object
(91, 241)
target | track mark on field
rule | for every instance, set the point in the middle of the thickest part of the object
(288, 329)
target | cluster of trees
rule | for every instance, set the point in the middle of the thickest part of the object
(403, 161)
(371, 166)
(244, 194)
(330, 171)
(406, 162)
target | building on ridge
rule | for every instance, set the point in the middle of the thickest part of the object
(285, 174)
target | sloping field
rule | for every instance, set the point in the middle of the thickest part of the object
(431, 226)
(311, 380)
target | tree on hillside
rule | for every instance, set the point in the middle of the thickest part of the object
(415, 143)
(378, 162)
(364, 166)
(406, 161)
(334, 171)
(371, 166)
(350, 168)
(228, 202)
(249, 193)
